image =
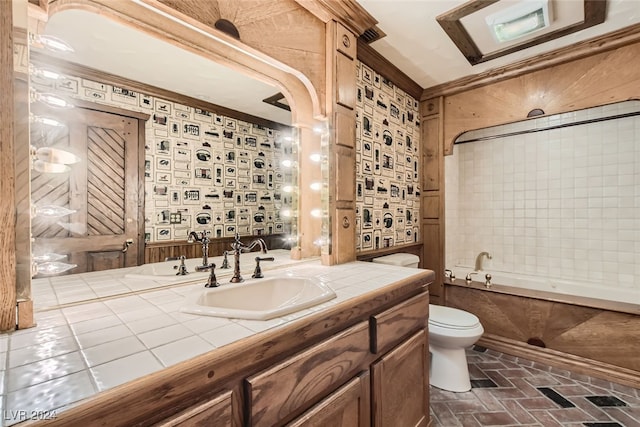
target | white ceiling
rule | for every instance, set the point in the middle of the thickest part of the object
(417, 45)
(414, 42)
(106, 45)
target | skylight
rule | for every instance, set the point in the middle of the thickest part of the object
(519, 20)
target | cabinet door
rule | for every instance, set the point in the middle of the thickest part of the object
(346, 407)
(400, 385)
(217, 412)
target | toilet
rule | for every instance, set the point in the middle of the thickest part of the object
(450, 331)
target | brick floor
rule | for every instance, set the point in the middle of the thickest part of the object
(509, 391)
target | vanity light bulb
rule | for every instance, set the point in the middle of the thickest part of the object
(47, 121)
(56, 155)
(45, 74)
(52, 211)
(316, 213)
(316, 186)
(51, 100)
(50, 42)
(49, 257)
(54, 267)
(287, 163)
(288, 189)
(286, 213)
(321, 241)
(316, 157)
(46, 167)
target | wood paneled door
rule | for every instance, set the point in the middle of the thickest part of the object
(104, 190)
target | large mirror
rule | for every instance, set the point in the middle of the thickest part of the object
(159, 142)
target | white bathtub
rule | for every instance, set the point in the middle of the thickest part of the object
(561, 287)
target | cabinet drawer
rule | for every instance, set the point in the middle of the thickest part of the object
(298, 383)
(391, 326)
(217, 412)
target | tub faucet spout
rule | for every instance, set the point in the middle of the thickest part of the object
(480, 258)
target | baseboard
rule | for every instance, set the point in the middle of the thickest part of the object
(570, 362)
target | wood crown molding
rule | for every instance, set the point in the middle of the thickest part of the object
(82, 71)
(368, 56)
(603, 43)
(347, 12)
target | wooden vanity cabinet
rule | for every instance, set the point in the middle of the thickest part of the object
(388, 356)
(217, 412)
(349, 406)
(362, 362)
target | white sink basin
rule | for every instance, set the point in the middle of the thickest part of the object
(259, 299)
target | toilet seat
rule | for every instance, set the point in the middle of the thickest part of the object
(452, 318)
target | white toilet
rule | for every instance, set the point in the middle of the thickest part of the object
(450, 331)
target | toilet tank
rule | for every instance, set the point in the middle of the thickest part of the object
(400, 259)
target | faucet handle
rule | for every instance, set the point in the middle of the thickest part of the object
(257, 274)
(212, 282)
(487, 282)
(449, 274)
(468, 278)
(225, 261)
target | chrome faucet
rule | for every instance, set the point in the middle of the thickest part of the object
(479, 259)
(239, 247)
(204, 239)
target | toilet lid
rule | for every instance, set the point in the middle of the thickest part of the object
(449, 317)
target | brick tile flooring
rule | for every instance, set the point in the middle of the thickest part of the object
(509, 391)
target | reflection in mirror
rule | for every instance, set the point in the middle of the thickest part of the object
(554, 200)
(168, 142)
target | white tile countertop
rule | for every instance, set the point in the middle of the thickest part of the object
(79, 350)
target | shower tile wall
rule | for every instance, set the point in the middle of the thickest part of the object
(562, 203)
(203, 171)
(387, 159)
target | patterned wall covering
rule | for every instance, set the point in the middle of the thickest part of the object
(387, 162)
(203, 171)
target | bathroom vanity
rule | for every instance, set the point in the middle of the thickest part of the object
(359, 360)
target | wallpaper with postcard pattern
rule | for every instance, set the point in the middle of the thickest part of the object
(387, 162)
(203, 171)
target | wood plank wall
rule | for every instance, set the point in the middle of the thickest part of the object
(7, 185)
(594, 341)
(156, 252)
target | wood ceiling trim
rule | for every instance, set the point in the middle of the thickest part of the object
(368, 56)
(347, 12)
(594, 13)
(599, 44)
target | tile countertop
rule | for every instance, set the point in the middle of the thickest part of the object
(80, 350)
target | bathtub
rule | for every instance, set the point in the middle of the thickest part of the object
(553, 288)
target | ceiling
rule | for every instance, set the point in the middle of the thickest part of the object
(414, 42)
(106, 45)
(417, 44)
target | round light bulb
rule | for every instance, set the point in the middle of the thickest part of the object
(56, 155)
(46, 167)
(316, 186)
(316, 213)
(316, 157)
